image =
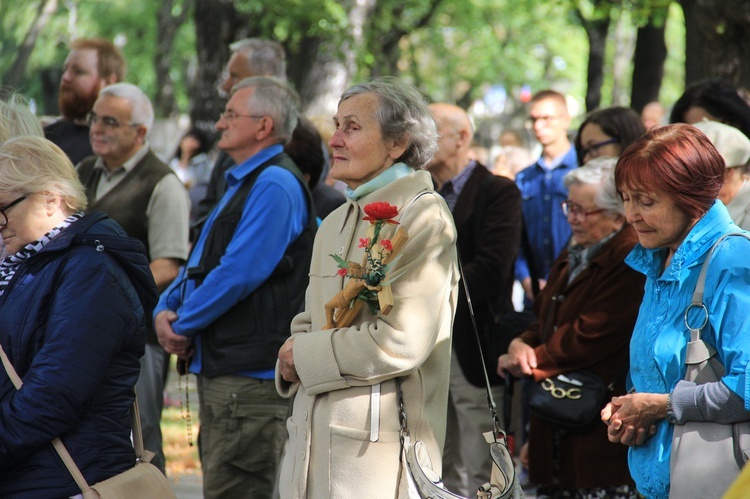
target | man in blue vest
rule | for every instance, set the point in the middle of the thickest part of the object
(230, 308)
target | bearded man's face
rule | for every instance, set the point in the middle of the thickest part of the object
(80, 84)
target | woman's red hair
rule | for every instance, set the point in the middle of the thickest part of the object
(678, 160)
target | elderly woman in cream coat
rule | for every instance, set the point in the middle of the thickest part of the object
(344, 428)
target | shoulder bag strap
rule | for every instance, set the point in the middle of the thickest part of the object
(60, 447)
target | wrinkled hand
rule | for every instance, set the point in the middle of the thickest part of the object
(632, 418)
(286, 362)
(168, 339)
(519, 361)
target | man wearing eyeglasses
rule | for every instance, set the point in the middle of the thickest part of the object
(250, 57)
(542, 188)
(91, 64)
(230, 309)
(126, 180)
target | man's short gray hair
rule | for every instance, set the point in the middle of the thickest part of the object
(142, 111)
(402, 114)
(601, 173)
(273, 97)
(264, 57)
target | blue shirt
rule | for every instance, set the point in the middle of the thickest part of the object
(659, 341)
(542, 193)
(274, 215)
(452, 189)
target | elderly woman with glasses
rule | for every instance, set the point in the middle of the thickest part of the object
(585, 316)
(607, 132)
(75, 293)
(349, 351)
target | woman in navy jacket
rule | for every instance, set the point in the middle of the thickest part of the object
(75, 292)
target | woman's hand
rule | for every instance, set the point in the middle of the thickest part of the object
(519, 361)
(286, 362)
(632, 418)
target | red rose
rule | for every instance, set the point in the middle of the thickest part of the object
(380, 210)
(342, 272)
(386, 244)
(364, 242)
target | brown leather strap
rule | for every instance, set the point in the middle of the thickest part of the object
(135, 419)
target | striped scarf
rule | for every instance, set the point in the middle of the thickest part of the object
(11, 263)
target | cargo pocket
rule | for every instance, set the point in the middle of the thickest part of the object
(254, 437)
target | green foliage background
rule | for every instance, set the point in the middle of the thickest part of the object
(467, 46)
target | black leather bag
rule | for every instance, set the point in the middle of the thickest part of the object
(570, 400)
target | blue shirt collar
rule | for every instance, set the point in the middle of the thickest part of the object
(395, 172)
(239, 172)
(691, 251)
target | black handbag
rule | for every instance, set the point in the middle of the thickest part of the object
(569, 400)
(573, 399)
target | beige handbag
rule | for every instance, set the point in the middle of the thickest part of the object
(706, 457)
(143, 481)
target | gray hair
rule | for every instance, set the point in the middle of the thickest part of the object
(17, 119)
(402, 114)
(264, 57)
(142, 111)
(30, 164)
(601, 173)
(273, 97)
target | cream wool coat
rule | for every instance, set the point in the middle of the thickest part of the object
(330, 453)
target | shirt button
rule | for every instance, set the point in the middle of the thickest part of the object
(548, 176)
(547, 197)
(546, 219)
(305, 415)
(546, 241)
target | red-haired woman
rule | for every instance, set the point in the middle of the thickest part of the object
(669, 181)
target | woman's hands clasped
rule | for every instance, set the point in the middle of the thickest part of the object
(631, 419)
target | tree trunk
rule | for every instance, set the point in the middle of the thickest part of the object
(648, 63)
(217, 24)
(166, 28)
(14, 76)
(596, 30)
(716, 41)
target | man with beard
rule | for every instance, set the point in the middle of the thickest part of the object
(91, 64)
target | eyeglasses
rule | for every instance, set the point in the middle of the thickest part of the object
(230, 115)
(570, 208)
(531, 120)
(593, 149)
(3, 216)
(107, 122)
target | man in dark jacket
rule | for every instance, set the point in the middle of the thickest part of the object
(486, 210)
